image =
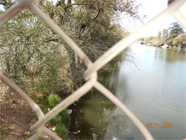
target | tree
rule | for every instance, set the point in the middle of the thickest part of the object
(93, 21)
(165, 36)
(174, 31)
(168, 36)
(180, 41)
(27, 51)
(159, 39)
(89, 23)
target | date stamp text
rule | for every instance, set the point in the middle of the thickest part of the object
(159, 125)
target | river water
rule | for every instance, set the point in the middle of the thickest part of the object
(153, 87)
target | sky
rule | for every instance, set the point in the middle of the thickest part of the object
(151, 8)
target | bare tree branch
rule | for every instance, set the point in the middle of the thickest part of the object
(97, 12)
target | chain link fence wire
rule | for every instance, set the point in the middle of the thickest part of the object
(90, 74)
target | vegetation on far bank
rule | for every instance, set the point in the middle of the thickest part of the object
(42, 64)
(174, 37)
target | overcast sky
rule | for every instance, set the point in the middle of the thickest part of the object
(151, 8)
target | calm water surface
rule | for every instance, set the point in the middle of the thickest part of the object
(154, 88)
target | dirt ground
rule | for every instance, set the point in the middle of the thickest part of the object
(15, 120)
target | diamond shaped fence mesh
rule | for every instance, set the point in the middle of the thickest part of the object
(90, 74)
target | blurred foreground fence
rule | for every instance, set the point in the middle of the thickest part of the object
(90, 74)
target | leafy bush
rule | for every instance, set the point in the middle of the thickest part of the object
(180, 40)
(56, 120)
(62, 131)
(53, 100)
(60, 121)
(65, 118)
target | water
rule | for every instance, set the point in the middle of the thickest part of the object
(154, 89)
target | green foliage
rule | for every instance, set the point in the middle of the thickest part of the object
(53, 100)
(65, 118)
(174, 30)
(62, 131)
(151, 40)
(159, 44)
(33, 53)
(62, 118)
(174, 36)
(141, 39)
(28, 55)
(56, 120)
(180, 41)
(165, 36)
(60, 121)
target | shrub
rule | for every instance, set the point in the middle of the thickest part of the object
(53, 100)
(60, 121)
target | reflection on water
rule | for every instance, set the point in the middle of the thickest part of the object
(154, 90)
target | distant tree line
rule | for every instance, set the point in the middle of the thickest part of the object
(174, 37)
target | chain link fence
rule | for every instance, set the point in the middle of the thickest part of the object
(90, 74)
